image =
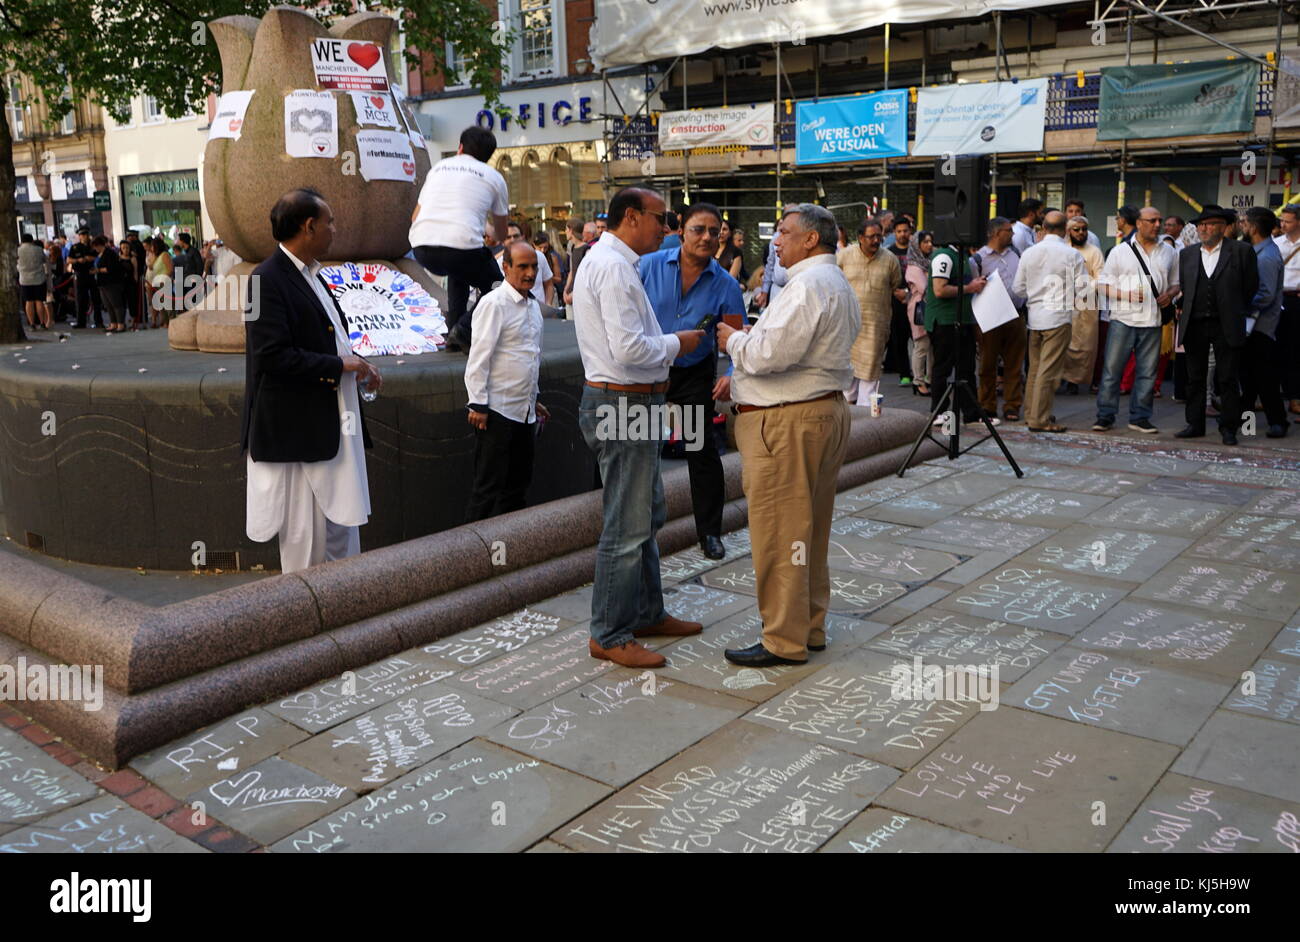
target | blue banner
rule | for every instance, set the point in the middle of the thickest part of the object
(858, 127)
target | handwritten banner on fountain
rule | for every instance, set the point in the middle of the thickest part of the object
(311, 124)
(349, 64)
(229, 120)
(388, 312)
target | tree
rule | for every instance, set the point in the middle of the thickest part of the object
(108, 53)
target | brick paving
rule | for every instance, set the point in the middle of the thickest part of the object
(1138, 598)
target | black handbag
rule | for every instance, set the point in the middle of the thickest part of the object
(1168, 311)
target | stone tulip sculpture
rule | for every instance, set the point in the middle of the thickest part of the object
(245, 173)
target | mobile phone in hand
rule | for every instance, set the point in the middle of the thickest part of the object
(706, 322)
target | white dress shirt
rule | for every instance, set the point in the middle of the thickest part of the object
(1210, 259)
(504, 361)
(340, 484)
(1022, 237)
(1123, 273)
(619, 336)
(544, 274)
(1291, 273)
(799, 349)
(1051, 277)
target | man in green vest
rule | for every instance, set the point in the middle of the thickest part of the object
(943, 323)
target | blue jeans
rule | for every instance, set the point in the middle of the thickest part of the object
(1144, 343)
(627, 593)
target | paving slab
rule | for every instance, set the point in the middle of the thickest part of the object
(574, 606)
(1164, 514)
(271, 800)
(964, 489)
(689, 563)
(949, 638)
(536, 673)
(1213, 492)
(852, 593)
(1276, 693)
(1259, 755)
(1248, 553)
(909, 565)
(103, 825)
(912, 603)
(858, 499)
(1222, 587)
(1146, 464)
(1038, 507)
(33, 783)
(1245, 474)
(1286, 645)
(387, 742)
(1187, 815)
(1032, 781)
(1041, 598)
(1279, 501)
(1261, 528)
(1221, 646)
(619, 727)
(910, 510)
(548, 847)
(192, 762)
(866, 529)
(355, 692)
(479, 798)
(704, 604)
(977, 533)
(744, 789)
(864, 704)
(1083, 480)
(1127, 555)
(1110, 690)
(880, 831)
(501, 636)
(1036, 451)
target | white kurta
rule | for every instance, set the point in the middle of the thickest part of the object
(339, 485)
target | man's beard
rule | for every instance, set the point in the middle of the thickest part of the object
(1078, 242)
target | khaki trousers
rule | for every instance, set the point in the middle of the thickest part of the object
(1047, 349)
(790, 460)
(1008, 342)
(1082, 354)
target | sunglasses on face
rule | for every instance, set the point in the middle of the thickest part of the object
(661, 217)
(713, 231)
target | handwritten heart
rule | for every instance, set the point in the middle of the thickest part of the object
(408, 168)
(233, 786)
(377, 102)
(236, 123)
(363, 54)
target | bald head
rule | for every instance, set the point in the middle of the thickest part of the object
(1054, 222)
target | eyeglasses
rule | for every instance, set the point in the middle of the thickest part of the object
(713, 231)
(1149, 219)
(662, 217)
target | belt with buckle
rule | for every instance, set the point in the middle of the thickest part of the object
(634, 388)
(736, 410)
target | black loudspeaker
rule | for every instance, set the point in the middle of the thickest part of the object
(961, 199)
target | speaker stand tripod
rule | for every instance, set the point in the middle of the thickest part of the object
(957, 395)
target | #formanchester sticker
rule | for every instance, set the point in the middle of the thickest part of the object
(229, 121)
(386, 155)
(311, 124)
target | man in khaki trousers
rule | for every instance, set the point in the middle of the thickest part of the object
(792, 433)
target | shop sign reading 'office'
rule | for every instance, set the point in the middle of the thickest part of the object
(559, 113)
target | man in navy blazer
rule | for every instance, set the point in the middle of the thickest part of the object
(1219, 278)
(302, 423)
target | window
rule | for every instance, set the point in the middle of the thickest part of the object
(152, 112)
(68, 124)
(456, 74)
(14, 108)
(537, 25)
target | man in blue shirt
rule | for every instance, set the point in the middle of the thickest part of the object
(1260, 376)
(673, 223)
(685, 285)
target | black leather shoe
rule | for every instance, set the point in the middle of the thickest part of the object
(713, 547)
(755, 656)
(1276, 431)
(1229, 436)
(460, 336)
(816, 647)
(1190, 432)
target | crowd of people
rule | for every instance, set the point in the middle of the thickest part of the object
(131, 284)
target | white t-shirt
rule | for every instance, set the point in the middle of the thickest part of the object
(457, 197)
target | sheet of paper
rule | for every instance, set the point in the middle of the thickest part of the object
(386, 155)
(992, 307)
(311, 124)
(229, 120)
(375, 108)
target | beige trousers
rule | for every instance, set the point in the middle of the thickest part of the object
(1047, 349)
(790, 460)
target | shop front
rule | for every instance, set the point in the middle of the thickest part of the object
(163, 203)
(29, 208)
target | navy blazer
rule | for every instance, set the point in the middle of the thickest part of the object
(292, 369)
(1237, 279)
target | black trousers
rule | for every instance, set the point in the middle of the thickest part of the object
(692, 386)
(900, 331)
(1201, 334)
(503, 467)
(88, 300)
(465, 269)
(1288, 347)
(1259, 377)
(943, 348)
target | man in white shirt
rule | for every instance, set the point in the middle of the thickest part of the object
(626, 356)
(1052, 278)
(303, 427)
(1137, 287)
(1030, 214)
(1288, 327)
(542, 289)
(793, 432)
(501, 379)
(447, 225)
(1074, 207)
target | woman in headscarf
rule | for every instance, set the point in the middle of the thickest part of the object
(915, 273)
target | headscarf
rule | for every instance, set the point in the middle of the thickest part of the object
(914, 254)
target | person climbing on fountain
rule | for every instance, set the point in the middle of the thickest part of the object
(447, 226)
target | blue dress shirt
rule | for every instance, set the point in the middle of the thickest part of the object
(714, 292)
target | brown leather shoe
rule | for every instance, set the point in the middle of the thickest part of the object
(628, 654)
(670, 626)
